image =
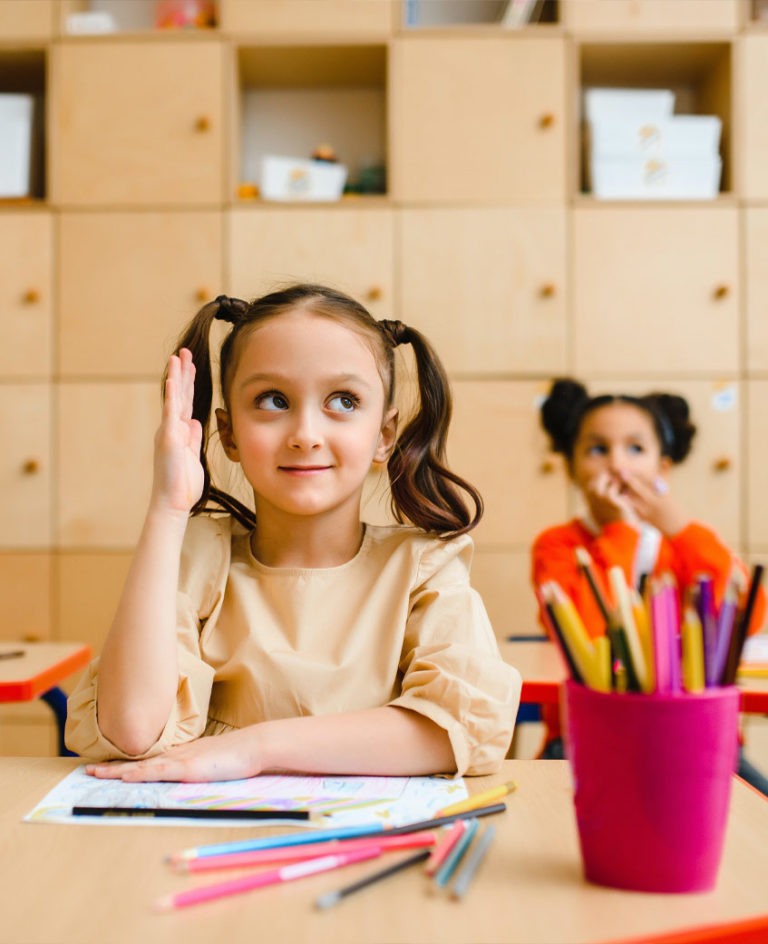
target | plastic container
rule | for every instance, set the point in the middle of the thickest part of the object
(652, 776)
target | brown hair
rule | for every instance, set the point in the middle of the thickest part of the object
(424, 491)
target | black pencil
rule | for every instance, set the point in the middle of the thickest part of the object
(174, 813)
(330, 898)
(739, 633)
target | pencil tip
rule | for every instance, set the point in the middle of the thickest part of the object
(162, 905)
(327, 900)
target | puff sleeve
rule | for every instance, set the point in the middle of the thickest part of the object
(452, 672)
(204, 566)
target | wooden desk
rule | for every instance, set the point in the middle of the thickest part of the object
(69, 884)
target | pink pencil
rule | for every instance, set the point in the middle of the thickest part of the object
(445, 845)
(236, 860)
(675, 661)
(286, 873)
(660, 632)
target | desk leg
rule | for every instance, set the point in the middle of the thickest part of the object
(57, 702)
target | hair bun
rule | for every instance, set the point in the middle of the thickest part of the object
(396, 331)
(561, 410)
(229, 309)
(678, 414)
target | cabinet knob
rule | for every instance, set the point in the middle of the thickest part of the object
(374, 293)
(722, 464)
(547, 467)
(31, 296)
(721, 291)
(203, 123)
(30, 467)
(202, 294)
(546, 120)
(547, 290)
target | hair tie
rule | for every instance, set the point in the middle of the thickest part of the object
(396, 331)
(232, 310)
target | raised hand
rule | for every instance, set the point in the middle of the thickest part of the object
(653, 503)
(178, 474)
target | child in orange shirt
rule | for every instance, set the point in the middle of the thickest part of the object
(619, 450)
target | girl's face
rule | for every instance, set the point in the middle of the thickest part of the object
(307, 415)
(617, 439)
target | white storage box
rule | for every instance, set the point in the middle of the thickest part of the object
(16, 115)
(653, 178)
(618, 103)
(692, 136)
(290, 178)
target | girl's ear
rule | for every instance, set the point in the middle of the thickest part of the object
(665, 464)
(225, 435)
(387, 436)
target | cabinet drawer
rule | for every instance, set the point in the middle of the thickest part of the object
(478, 119)
(756, 287)
(88, 586)
(137, 123)
(656, 291)
(128, 284)
(503, 580)
(752, 80)
(757, 458)
(497, 444)
(25, 587)
(105, 437)
(25, 294)
(487, 286)
(348, 249)
(663, 15)
(306, 17)
(30, 19)
(25, 422)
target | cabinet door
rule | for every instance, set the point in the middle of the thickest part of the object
(105, 437)
(25, 294)
(478, 119)
(708, 484)
(25, 588)
(656, 291)
(756, 287)
(30, 19)
(487, 286)
(503, 580)
(88, 587)
(757, 458)
(25, 422)
(620, 15)
(137, 123)
(350, 249)
(128, 282)
(305, 17)
(496, 443)
(751, 66)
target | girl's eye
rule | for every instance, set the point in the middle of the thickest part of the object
(636, 448)
(343, 403)
(596, 450)
(271, 401)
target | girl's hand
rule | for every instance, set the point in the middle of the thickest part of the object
(178, 476)
(230, 756)
(607, 502)
(654, 504)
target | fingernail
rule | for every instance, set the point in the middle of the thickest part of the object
(660, 486)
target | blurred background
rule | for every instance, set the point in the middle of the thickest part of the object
(448, 163)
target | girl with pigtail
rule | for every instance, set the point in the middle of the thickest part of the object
(302, 638)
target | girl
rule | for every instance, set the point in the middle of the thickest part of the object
(619, 450)
(302, 638)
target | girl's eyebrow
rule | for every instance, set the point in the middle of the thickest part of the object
(278, 379)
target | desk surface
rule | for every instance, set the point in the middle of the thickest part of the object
(38, 667)
(72, 884)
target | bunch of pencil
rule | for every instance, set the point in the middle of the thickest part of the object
(647, 641)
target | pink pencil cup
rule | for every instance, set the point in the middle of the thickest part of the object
(652, 778)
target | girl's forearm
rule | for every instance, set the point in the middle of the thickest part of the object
(385, 741)
(138, 670)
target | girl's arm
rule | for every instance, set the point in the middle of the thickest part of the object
(386, 741)
(138, 671)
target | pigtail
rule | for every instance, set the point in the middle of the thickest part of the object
(561, 413)
(424, 491)
(675, 414)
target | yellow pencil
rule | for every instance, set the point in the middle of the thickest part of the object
(627, 620)
(576, 637)
(693, 651)
(602, 646)
(646, 643)
(479, 799)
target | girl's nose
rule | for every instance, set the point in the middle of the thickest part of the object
(305, 432)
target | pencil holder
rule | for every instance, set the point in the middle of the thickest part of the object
(652, 776)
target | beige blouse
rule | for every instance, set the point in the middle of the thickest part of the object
(398, 624)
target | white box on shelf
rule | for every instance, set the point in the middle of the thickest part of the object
(291, 178)
(609, 103)
(678, 136)
(16, 114)
(652, 178)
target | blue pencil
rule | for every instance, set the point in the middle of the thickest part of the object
(446, 870)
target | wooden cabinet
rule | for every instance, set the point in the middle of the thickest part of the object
(25, 588)
(26, 287)
(627, 16)
(756, 431)
(503, 580)
(28, 20)
(25, 431)
(487, 286)
(756, 287)
(104, 439)
(128, 283)
(752, 79)
(496, 443)
(87, 587)
(138, 123)
(351, 249)
(307, 17)
(656, 291)
(478, 119)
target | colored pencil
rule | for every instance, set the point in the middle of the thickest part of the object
(448, 867)
(585, 562)
(673, 638)
(548, 614)
(286, 873)
(694, 677)
(470, 867)
(624, 608)
(706, 610)
(441, 850)
(479, 799)
(239, 860)
(725, 625)
(331, 898)
(739, 635)
(660, 635)
(174, 813)
(640, 612)
(575, 634)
